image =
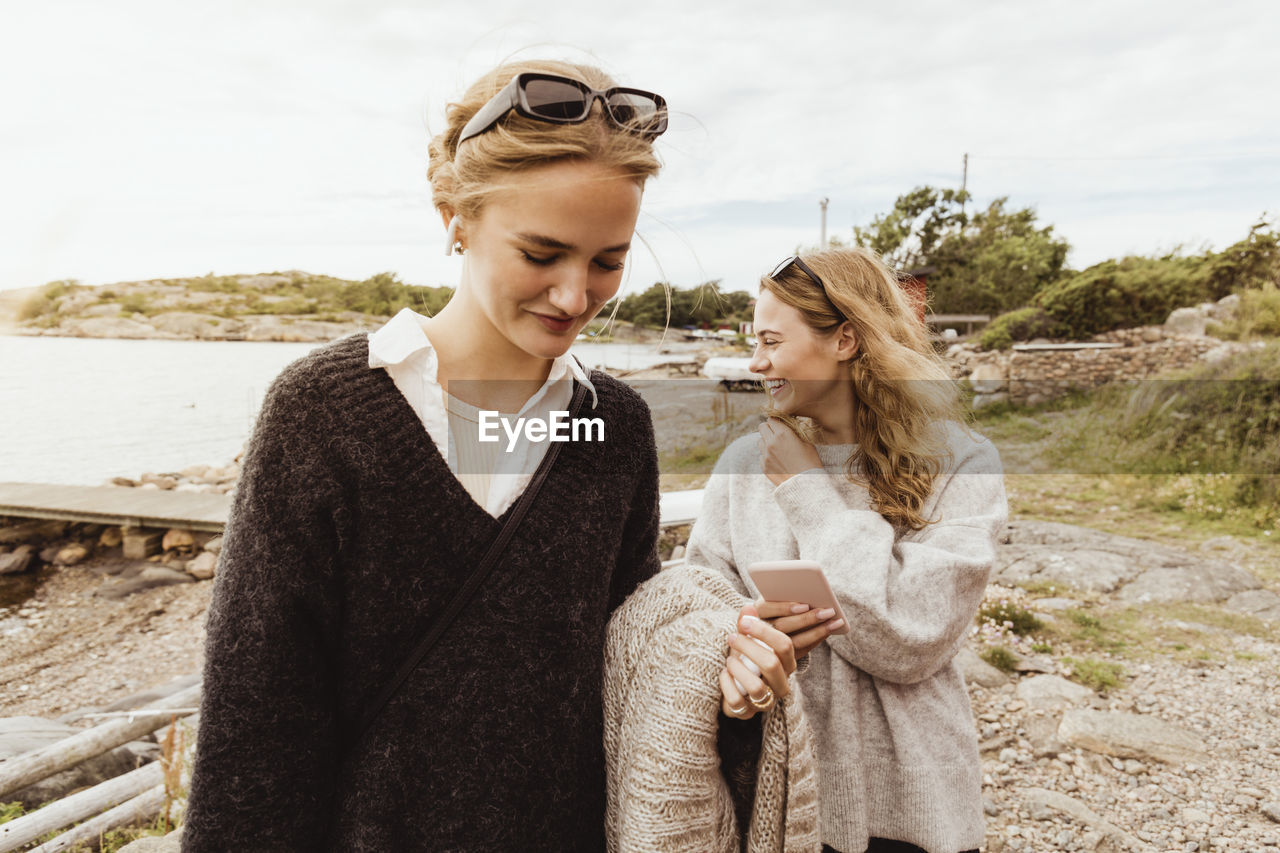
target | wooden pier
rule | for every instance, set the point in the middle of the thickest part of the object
(115, 505)
(128, 507)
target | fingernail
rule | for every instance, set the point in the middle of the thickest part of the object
(799, 608)
(826, 613)
(836, 625)
(749, 623)
(749, 664)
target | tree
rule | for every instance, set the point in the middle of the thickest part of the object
(995, 260)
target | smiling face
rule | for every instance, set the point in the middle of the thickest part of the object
(806, 372)
(545, 254)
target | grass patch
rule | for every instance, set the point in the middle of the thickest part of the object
(1042, 648)
(1101, 675)
(1011, 617)
(1000, 657)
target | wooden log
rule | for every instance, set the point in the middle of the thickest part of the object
(140, 809)
(87, 803)
(29, 768)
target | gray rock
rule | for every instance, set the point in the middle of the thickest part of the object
(71, 554)
(988, 378)
(214, 545)
(978, 671)
(22, 559)
(203, 566)
(110, 327)
(1262, 603)
(1207, 582)
(1092, 560)
(1051, 692)
(1125, 735)
(148, 578)
(1041, 801)
(19, 735)
(1187, 321)
(1054, 605)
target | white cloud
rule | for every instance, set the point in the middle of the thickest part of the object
(147, 138)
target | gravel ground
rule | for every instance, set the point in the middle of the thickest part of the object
(1233, 706)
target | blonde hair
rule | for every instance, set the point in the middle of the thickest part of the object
(902, 390)
(464, 177)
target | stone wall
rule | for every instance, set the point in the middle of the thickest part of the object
(1036, 376)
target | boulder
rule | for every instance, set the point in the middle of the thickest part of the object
(1051, 692)
(1187, 321)
(112, 537)
(1151, 334)
(1211, 580)
(1262, 603)
(203, 566)
(214, 545)
(176, 538)
(22, 559)
(19, 735)
(1041, 803)
(988, 379)
(1126, 735)
(977, 671)
(1095, 561)
(71, 554)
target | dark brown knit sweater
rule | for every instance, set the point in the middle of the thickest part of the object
(348, 535)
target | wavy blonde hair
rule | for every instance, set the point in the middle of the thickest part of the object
(902, 390)
(464, 176)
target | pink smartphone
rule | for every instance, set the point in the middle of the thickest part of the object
(796, 580)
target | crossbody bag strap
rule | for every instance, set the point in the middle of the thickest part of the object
(468, 589)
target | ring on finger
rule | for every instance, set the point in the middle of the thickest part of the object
(765, 702)
(737, 712)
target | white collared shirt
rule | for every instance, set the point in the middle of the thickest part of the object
(402, 348)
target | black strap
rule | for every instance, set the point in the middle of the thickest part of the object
(468, 590)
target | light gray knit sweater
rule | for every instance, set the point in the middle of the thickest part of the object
(894, 734)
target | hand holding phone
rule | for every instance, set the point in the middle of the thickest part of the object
(800, 581)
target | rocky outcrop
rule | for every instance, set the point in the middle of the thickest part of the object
(1134, 570)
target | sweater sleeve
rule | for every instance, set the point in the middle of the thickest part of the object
(638, 557)
(266, 751)
(909, 601)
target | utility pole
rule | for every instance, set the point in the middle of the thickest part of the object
(964, 181)
(823, 204)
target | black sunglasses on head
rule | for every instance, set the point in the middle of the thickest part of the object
(804, 268)
(563, 100)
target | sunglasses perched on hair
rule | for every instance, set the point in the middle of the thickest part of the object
(563, 100)
(794, 260)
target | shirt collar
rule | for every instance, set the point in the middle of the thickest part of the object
(402, 337)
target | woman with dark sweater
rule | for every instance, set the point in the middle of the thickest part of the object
(372, 489)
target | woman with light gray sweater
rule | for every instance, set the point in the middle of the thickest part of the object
(865, 468)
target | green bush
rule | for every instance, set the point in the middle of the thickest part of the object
(1020, 325)
(1257, 315)
(1134, 291)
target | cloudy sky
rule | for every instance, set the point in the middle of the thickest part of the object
(153, 139)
